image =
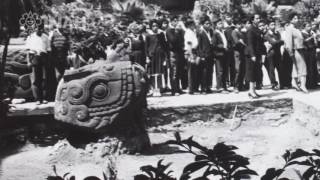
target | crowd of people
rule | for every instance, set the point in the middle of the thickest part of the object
(182, 54)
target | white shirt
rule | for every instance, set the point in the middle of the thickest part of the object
(190, 37)
(37, 43)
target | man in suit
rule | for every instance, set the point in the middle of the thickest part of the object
(274, 41)
(205, 52)
(231, 71)
(220, 46)
(175, 39)
(239, 58)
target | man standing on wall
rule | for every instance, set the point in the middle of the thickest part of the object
(38, 45)
(60, 46)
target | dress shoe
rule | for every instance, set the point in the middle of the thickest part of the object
(259, 87)
(224, 91)
(257, 94)
(275, 87)
(181, 92)
(297, 88)
(304, 90)
(253, 96)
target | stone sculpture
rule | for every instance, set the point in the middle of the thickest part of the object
(107, 98)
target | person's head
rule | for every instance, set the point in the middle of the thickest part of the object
(307, 26)
(164, 24)
(272, 25)
(154, 26)
(134, 28)
(293, 18)
(159, 15)
(205, 22)
(174, 21)
(228, 19)
(189, 23)
(247, 24)
(262, 26)
(218, 24)
(256, 19)
(238, 25)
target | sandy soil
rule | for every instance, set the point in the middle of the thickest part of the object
(263, 136)
(260, 140)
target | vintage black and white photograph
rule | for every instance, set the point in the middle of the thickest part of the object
(159, 90)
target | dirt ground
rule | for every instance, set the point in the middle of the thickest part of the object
(262, 135)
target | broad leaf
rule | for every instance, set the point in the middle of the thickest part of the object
(317, 152)
(141, 177)
(214, 172)
(272, 173)
(241, 173)
(195, 166)
(308, 173)
(306, 163)
(298, 153)
(90, 178)
(185, 176)
(191, 143)
(201, 157)
(201, 178)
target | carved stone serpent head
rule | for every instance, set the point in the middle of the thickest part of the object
(93, 96)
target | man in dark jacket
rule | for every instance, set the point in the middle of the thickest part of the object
(205, 52)
(274, 41)
(175, 39)
(239, 58)
(220, 46)
(254, 52)
(231, 73)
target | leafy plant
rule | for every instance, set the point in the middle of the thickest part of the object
(155, 173)
(221, 160)
(290, 159)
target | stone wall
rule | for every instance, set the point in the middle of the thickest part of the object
(163, 116)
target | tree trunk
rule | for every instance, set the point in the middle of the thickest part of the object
(3, 105)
